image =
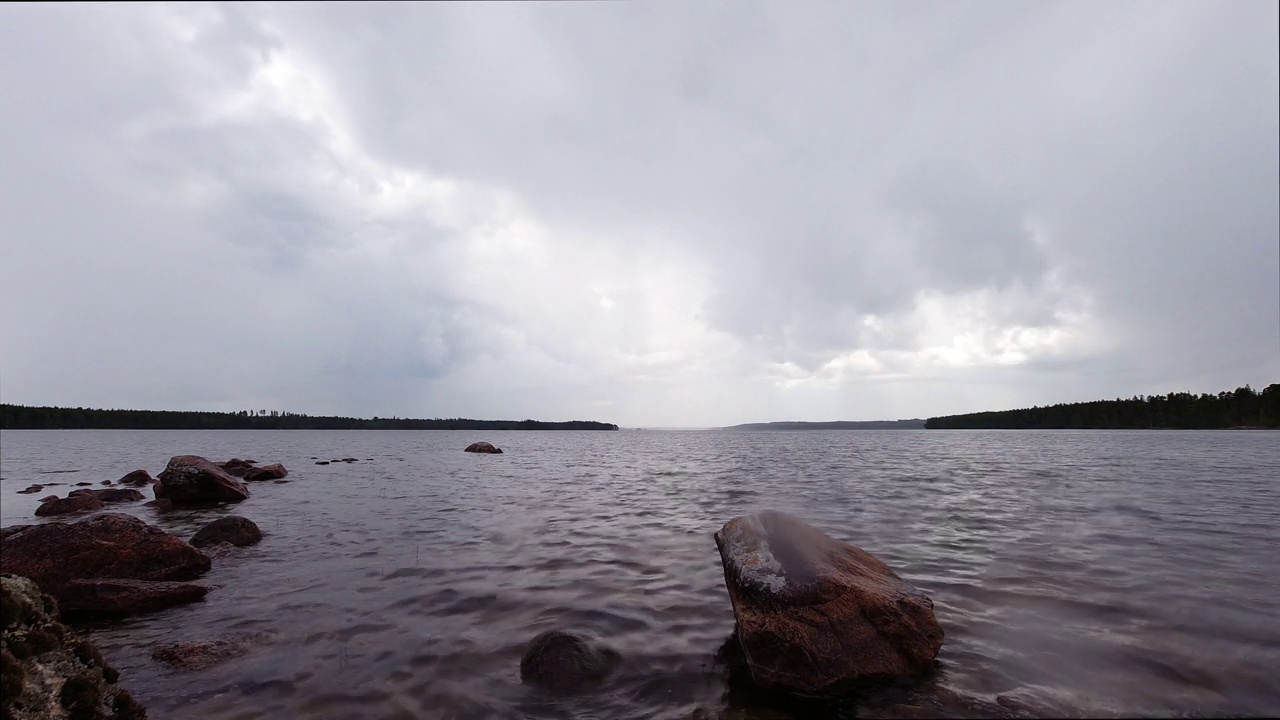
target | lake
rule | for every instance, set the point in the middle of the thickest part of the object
(1121, 572)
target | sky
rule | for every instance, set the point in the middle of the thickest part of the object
(647, 213)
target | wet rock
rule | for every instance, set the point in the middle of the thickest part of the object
(238, 531)
(483, 447)
(218, 549)
(13, 530)
(108, 482)
(159, 504)
(49, 671)
(816, 614)
(192, 479)
(112, 495)
(236, 467)
(31, 489)
(106, 546)
(322, 462)
(201, 654)
(274, 471)
(113, 597)
(349, 460)
(47, 498)
(565, 662)
(137, 478)
(68, 505)
(83, 484)
(279, 482)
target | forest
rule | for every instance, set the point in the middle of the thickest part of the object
(1242, 408)
(22, 417)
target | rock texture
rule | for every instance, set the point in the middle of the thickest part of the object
(46, 669)
(238, 531)
(67, 505)
(201, 654)
(816, 614)
(483, 447)
(565, 662)
(112, 597)
(110, 546)
(192, 479)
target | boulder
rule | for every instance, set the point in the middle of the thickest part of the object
(192, 479)
(238, 531)
(105, 546)
(115, 597)
(565, 662)
(275, 471)
(68, 505)
(47, 670)
(815, 614)
(108, 482)
(31, 489)
(483, 447)
(112, 495)
(137, 478)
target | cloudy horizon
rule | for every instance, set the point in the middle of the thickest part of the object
(652, 214)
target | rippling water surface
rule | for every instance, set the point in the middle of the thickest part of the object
(1103, 572)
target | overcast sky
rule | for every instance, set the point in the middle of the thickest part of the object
(648, 213)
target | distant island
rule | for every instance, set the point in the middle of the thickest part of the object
(913, 424)
(1243, 408)
(22, 417)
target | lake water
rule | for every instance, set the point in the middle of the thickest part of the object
(1109, 572)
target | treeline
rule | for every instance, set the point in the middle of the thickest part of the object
(22, 417)
(1245, 407)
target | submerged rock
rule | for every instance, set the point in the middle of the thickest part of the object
(483, 447)
(137, 477)
(565, 662)
(106, 546)
(49, 671)
(816, 614)
(238, 531)
(119, 597)
(71, 504)
(274, 471)
(192, 479)
(201, 654)
(31, 489)
(322, 462)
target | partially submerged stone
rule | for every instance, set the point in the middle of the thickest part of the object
(565, 662)
(483, 447)
(201, 654)
(110, 495)
(116, 597)
(238, 531)
(137, 478)
(816, 614)
(274, 471)
(193, 479)
(68, 505)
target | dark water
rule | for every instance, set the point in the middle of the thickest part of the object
(1129, 573)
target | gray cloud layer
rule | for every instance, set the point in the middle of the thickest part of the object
(653, 214)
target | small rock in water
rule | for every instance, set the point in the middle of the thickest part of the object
(192, 479)
(238, 531)
(274, 471)
(31, 489)
(47, 498)
(108, 482)
(83, 484)
(483, 447)
(159, 504)
(322, 462)
(137, 477)
(111, 495)
(68, 505)
(566, 662)
(117, 597)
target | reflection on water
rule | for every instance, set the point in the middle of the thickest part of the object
(1089, 572)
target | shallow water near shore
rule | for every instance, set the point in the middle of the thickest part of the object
(1104, 572)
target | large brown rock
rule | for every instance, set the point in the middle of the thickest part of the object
(105, 546)
(483, 447)
(192, 479)
(274, 471)
(68, 505)
(816, 614)
(238, 531)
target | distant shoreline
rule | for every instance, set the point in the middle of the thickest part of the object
(23, 417)
(794, 426)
